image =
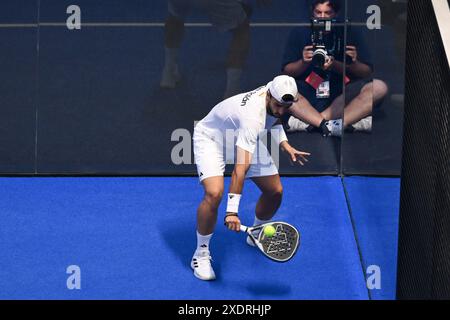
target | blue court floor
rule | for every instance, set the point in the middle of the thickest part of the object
(133, 238)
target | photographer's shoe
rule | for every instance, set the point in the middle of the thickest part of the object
(201, 264)
(363, 125)
(295, 125)
(335, 127)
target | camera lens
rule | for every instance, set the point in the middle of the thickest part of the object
(319, 57)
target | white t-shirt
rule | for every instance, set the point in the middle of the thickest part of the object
(245, 114)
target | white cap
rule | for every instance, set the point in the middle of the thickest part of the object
(283, 87)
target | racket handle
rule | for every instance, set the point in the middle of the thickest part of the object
(243, 228)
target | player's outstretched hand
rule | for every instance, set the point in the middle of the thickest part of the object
(233, 223)
(296, 156)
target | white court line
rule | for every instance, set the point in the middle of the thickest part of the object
(156, 24)
(442, 11)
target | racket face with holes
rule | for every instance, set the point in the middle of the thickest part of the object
(282, 246)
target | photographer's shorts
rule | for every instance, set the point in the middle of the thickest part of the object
(223, 14)
(352, 90)
(211, 156)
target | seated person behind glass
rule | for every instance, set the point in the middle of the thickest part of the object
(314, 57)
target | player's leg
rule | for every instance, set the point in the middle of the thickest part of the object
(270, 198)
(210, 163)
(264, 173)
(207, 210)
(206, 221)
(269, 201)
(173, 36)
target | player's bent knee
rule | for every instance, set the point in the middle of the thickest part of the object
(214, 196)
(277, 192)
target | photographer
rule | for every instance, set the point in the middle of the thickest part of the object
(321, 84)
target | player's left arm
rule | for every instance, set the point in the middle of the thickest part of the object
(280, 137)
(295, 156)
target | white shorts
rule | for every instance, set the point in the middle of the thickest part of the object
(223, 14)
(211, 156)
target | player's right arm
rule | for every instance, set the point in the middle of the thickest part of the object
(241, 167)
(245, 147)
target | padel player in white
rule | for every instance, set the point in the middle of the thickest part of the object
(245, 116)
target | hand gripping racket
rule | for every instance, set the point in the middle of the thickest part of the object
(280, 247)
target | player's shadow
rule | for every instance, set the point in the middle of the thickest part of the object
(180, 237)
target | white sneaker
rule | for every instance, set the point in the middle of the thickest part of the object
(170, 77)
(363, 125)
(335, 127)
(201, 264)
(296, 125)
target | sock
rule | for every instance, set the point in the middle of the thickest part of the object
(171, 55)
(324, 129)
(259, 221)
(233, 81)
(203, 241)
(311, 128)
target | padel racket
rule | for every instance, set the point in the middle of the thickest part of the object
(280, 247)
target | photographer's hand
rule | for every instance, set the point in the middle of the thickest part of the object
(297, 68)
(308, 54)
(352, 53)
(329, 63)
(357, 68)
